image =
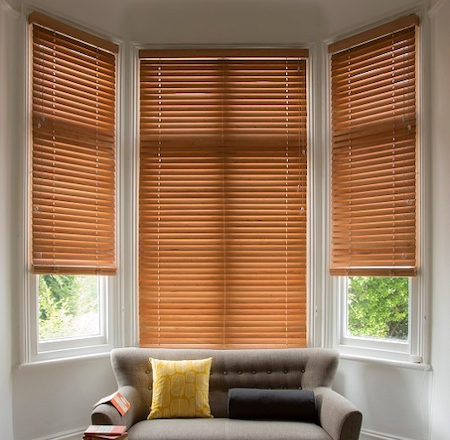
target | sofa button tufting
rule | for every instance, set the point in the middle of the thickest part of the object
(225, 373)
(285, 371)
(299, 388)
(150, 387)
(147, 372)
(239, 372)
(253, 372)
(303, 371)
(269, 372)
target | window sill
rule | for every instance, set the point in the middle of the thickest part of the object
(387, 362)
(63, 360)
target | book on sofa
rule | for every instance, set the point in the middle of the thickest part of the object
(105, 432)
(117, 400)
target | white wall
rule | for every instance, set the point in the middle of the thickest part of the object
(440, 355)
(7, 23)
(394, 400)
(57, 398)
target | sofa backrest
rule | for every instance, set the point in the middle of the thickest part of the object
(292, 368)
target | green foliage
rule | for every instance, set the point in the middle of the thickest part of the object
(52, 313)
(378, 307)
(68, 306)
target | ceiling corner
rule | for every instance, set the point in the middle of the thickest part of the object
(435, 6)
(13, 6)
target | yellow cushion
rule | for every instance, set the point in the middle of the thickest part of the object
(180, 388)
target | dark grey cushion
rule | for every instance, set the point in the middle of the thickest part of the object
(251, 403)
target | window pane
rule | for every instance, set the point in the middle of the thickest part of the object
(378, 307)
(68, 306)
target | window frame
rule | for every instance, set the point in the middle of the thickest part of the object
(414, 353)
(72, 346)
(110, 335)
(393, 350)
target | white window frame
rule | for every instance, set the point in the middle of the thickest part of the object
(414, 352)
(110, 300)
(52, 349)
(349, 346)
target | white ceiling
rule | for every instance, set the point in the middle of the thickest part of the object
(222, 22)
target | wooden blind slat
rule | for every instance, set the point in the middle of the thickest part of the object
(77, 34)
(373, 93)
(222, 232)
(372, 35)
(73, 151)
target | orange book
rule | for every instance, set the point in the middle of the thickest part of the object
(105, 431)
(120, 402)
(123, 436)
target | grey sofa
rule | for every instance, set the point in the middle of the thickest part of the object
(307, 368)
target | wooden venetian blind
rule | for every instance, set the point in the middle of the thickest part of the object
(222, 230)
(373, 99)
(73, 150)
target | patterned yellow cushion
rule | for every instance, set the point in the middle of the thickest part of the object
(180, 388)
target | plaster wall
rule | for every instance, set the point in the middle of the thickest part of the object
(7, 34)
(440, 131)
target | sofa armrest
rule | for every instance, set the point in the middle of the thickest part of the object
(107, 414)
(338, 416)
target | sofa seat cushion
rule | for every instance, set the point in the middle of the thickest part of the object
(223, 429)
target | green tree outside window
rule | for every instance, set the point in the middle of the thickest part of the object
(378, 307)
(68, 306)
